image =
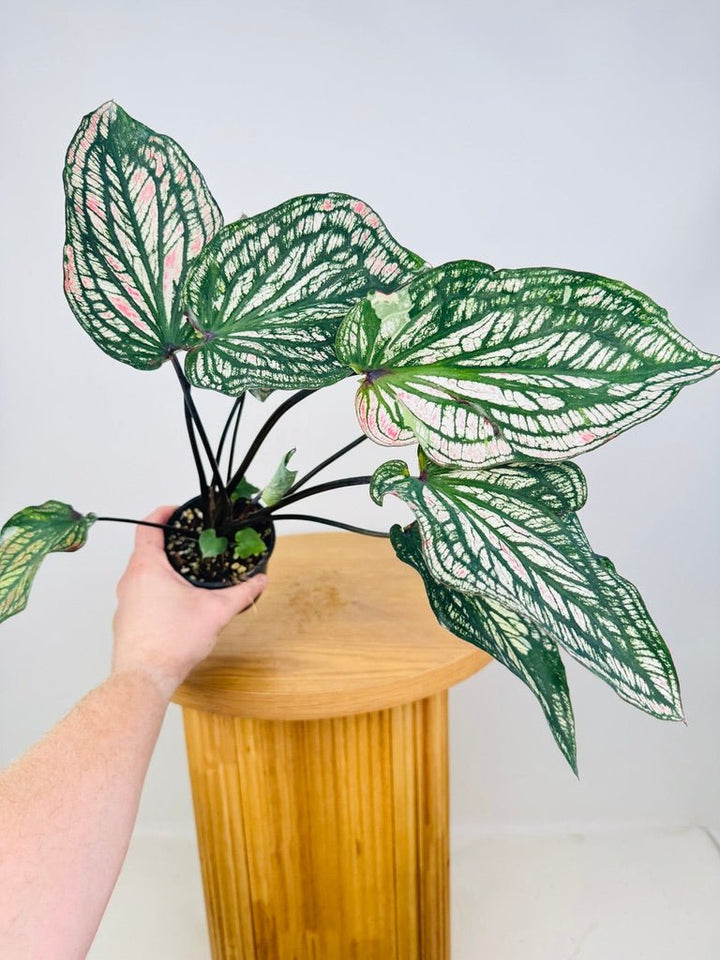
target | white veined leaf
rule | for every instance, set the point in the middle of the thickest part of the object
(484, 366)
(267, 295)
(281, 481)
(25, 541)
(137, 212)
(509, 534)
(519, 644)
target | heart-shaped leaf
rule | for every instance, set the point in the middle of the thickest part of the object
(25, 541)
(211, 545)
(483, 366)
(137, 212)
(268, 293)
(281, 481)
(249, 543)
(519, 644)
(243, 490)
(509, 534)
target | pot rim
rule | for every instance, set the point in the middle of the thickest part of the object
(211, 584)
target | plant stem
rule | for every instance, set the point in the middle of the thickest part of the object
(204, 491)
(146, 523)
(321, 488)
(192, 410)
(236, 409)
(326, 463)
(263, 432)
(331, 523)
(231, 458)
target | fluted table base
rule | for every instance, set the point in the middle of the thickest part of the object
(324, 839)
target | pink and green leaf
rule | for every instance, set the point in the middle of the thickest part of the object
(484, 366)
(510, 535)
(268, 293)
(137, 212)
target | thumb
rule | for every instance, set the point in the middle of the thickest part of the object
(241, 596)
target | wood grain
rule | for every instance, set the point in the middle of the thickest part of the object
(343, 627)
(324, 839)
(317, 743)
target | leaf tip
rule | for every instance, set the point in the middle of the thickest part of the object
(384, 477)
(677, 714)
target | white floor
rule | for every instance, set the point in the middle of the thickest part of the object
(601, 896)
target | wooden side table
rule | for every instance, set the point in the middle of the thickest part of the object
(317, 744)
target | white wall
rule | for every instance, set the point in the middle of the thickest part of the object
(574, 134)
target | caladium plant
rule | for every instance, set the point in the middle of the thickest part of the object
(500, 377)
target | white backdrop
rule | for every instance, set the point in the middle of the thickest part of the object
(524, 133)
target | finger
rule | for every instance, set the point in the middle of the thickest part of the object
(242, 594)
(150, 537)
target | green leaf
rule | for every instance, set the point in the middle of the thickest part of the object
(268, 293)
(260, 394)
(211, 545)
(484, 366)
(244, 490)
(518, 643)
(25, 541)
(137, 212)
(281, 481)
(248, 543)
(509, 534)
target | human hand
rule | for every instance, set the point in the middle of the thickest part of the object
(164, 625)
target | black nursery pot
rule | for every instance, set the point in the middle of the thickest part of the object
(212, 573)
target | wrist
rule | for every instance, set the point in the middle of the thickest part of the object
(158, 683)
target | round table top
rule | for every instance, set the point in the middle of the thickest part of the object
(343, 627)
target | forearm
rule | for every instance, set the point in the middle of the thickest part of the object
(68, 807)
(67, 810)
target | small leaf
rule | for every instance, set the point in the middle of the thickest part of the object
(484, 366)
(260, 394)
(137, 212)
(269, 292)
(281, 481)
(244, 490)
(26, 539)
(510, 535)
(210, 544)
(517, 643)
(248, 543)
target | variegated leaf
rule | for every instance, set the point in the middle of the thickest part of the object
(267, 295)
(280, 482)
(25, 541)
(510, 535)
(518, 643)
(137, 212)
(484, 366)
